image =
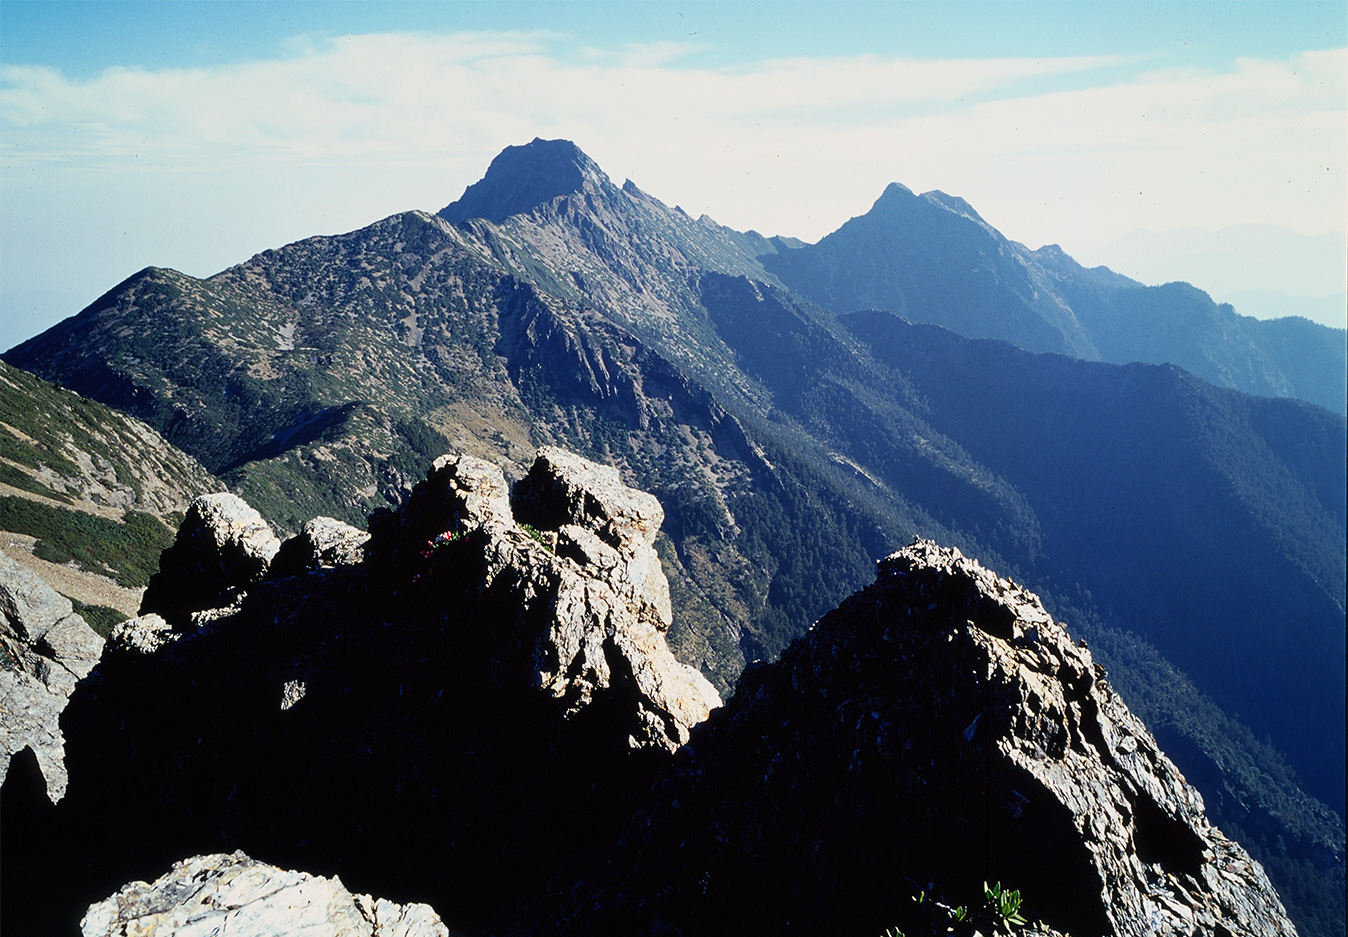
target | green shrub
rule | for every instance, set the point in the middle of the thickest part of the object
(127, 550)
(98, 617)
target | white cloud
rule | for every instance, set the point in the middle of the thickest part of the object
(347, 130)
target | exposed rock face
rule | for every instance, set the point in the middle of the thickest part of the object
(521, 178)
(584, 502)
(45, 649)
(236, 895)
(322, 542)
(144, 634)
(30, 717)
(594, 609)
(936, 732)
(485, 715)
(440, 718)
(223, 545)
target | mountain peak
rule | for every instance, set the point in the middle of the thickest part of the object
(521, 178)
(893, 193)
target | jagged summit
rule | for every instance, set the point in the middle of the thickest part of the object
(893, 193)
(897, 200)
(521, 178)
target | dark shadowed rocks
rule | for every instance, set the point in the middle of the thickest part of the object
(583, 586)
(436, 719)
(937, 732)
(322, 543)
(483, 715)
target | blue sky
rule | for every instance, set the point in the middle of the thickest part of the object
(192, 135)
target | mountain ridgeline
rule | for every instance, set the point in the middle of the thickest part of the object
(1162, 471)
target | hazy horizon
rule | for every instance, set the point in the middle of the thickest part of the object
(193, 135)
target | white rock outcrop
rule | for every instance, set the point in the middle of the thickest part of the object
(237, 896)
(45, 650)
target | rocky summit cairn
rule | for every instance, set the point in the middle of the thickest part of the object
(239, 896)
(222, 546)
(45, 649)
(935, 733)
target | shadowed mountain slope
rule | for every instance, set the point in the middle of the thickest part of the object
(931, 258)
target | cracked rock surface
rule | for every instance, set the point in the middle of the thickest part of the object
(241, 897)
(936, 732)
(45, 650)
(453, 709)
(223, 545)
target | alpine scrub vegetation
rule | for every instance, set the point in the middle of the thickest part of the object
(1000, 910)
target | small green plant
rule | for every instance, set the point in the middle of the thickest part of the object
(100, 618)
(893, 932)
(1005, 902)
(538, 535)
(960, 913)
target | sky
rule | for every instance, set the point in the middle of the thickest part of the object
(1174, 140)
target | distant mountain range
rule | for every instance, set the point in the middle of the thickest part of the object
(1167, 473)
(931, 258)
(1235, 264)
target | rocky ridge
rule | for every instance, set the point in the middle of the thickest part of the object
(936, 732)
(323, 376)
(411, 717)
(591, 591)
(407, 711)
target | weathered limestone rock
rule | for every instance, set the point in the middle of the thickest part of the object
(30, 717)
(145, 634)
(45, 650)
(1071, 758)
(41, 632)
(936, 731)
(223, 545)
(241, 897)
(591, 508)
(594, 610)
(323, 542)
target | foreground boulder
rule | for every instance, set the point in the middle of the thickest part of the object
(241, 897)
(45, 649)
(935, 733)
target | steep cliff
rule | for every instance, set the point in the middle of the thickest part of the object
(937, 732)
